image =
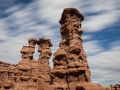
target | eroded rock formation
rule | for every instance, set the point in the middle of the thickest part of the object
(28, 74)
(45, 54)
(115, 87)
(70, 71)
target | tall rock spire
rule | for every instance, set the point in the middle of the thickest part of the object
(70, 64)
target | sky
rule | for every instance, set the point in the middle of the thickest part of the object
(24, 19)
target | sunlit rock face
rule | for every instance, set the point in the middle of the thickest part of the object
(70, 71)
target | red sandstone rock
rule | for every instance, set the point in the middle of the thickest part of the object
(68, 53)
(115, 87)
(45, 54)
(70, 71)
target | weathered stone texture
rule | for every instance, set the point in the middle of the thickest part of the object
(70, 71)
(28, 74)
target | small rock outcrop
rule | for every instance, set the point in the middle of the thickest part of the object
(115, 87)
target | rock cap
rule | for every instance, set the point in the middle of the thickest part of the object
(68, 12)
(41, 40)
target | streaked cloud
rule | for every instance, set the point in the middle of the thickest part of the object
(105, 65)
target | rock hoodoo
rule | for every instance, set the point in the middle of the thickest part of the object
(28, 74)
(45, 54)
(70, 64)
(70, 67)
(71, 70)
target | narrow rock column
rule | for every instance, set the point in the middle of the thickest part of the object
(32, 42)
(43, 60)
(23, 70)
(34, 64)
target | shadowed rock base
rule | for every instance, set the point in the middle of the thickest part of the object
(89, 86)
